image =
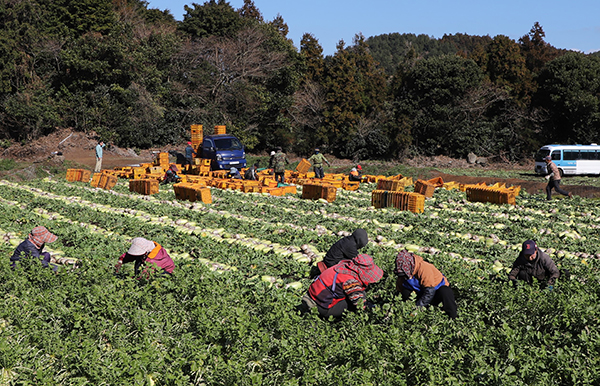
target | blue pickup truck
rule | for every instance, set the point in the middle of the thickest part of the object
(225, 151)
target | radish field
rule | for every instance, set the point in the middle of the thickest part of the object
(228, 314)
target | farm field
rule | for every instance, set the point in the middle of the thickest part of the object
(228, 314)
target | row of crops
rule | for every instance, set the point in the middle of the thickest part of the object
(228, 314)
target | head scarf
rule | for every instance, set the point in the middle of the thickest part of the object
(405, 263)
(361, 267)
(40, 235)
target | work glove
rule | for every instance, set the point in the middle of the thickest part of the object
(118, 266)
(550, 288)
(547, 177)
(514, 282)
(369, 305)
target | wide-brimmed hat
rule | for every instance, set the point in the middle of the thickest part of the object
(362, 266)
(40, 235)
(189, 143)
(140, 246)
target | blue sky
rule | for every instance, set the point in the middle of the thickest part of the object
(571, 24)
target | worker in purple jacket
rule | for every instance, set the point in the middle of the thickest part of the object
(33, 246)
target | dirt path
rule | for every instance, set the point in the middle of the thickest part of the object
(531, 187)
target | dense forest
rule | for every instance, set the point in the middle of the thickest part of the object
(139, 78)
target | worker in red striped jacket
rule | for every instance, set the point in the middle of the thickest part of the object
(343, 286)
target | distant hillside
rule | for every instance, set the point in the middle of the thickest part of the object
(394, 48)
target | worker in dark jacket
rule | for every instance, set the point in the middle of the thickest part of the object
(250, 173)
(279, 162)
(149, 252)
(170, 175)
(189, 154)
(33, 246)
(346, 248)
(354, 175)
(342, 287)
(416, 275)
(534, 263)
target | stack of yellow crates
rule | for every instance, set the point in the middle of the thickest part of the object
(493, 194)
(317, 191)
(80, 175)
(219, 130)
(424, 188)
(192, 192)
(144, 186)
(410, 201)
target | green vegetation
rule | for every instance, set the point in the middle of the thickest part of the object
(228, 314)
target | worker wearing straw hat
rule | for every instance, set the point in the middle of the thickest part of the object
(148, 252)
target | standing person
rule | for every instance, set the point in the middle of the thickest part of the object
(189, 154)
(99, 148)
(272, 160)
(553, 178)
(534, 263)
(33, 246)
(149, 252)
(343, 286)
(250, 173)
(416, 275)
(279, 162)
(317, 160)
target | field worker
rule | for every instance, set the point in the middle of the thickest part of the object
(235, 174)
(250, 173)
(416, 275)
(33, 246)
(553, 178)
(354, 175)
(534, 263)
(170, 175)
(279, 162)
(346, 248)
(317, 160)
(343, 287)
(149, 252)
(189, 154)
(272, 160)
(99, 148)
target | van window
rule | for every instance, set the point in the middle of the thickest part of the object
(539, 156)
(207, 143)
(556, 155)
(228, 144)
(571, 155)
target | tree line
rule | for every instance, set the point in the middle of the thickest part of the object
(138, 78)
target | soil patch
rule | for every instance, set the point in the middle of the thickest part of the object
(530, 187)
